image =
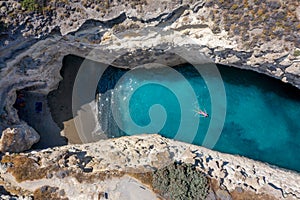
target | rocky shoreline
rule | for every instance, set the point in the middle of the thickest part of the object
(258, 35)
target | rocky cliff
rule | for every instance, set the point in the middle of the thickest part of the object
(123, 169)
(259, 35)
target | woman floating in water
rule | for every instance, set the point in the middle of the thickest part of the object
(201, 113)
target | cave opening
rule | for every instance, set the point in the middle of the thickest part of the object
(32, 107)
(51, 114)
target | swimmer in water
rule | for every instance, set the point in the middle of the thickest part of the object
(202, 113)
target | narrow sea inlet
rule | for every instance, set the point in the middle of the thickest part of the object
(262, 113)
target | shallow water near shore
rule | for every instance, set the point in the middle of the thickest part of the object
(262, 116)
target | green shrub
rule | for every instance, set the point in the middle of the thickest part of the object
(297, 53)
(180, 182)
(30, 5)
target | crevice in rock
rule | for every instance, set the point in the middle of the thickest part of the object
(198, 5)
(173, 16)
(158, 18)
(277, 188)
(92, 23)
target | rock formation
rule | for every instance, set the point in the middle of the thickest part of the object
(259, 35)
(109, 166)
(18, 138)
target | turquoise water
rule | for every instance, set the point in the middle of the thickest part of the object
(262, 113)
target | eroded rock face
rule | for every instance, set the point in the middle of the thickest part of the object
(18, 138)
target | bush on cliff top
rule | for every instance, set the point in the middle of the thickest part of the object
(180, 181)
(30, 5)
(34, 5)
(297, 53)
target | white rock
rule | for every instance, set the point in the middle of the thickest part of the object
(293, 69)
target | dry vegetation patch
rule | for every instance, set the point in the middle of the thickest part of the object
(24, 168)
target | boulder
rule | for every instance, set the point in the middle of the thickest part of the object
(18, 138)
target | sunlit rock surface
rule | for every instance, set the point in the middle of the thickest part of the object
(110, 166)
